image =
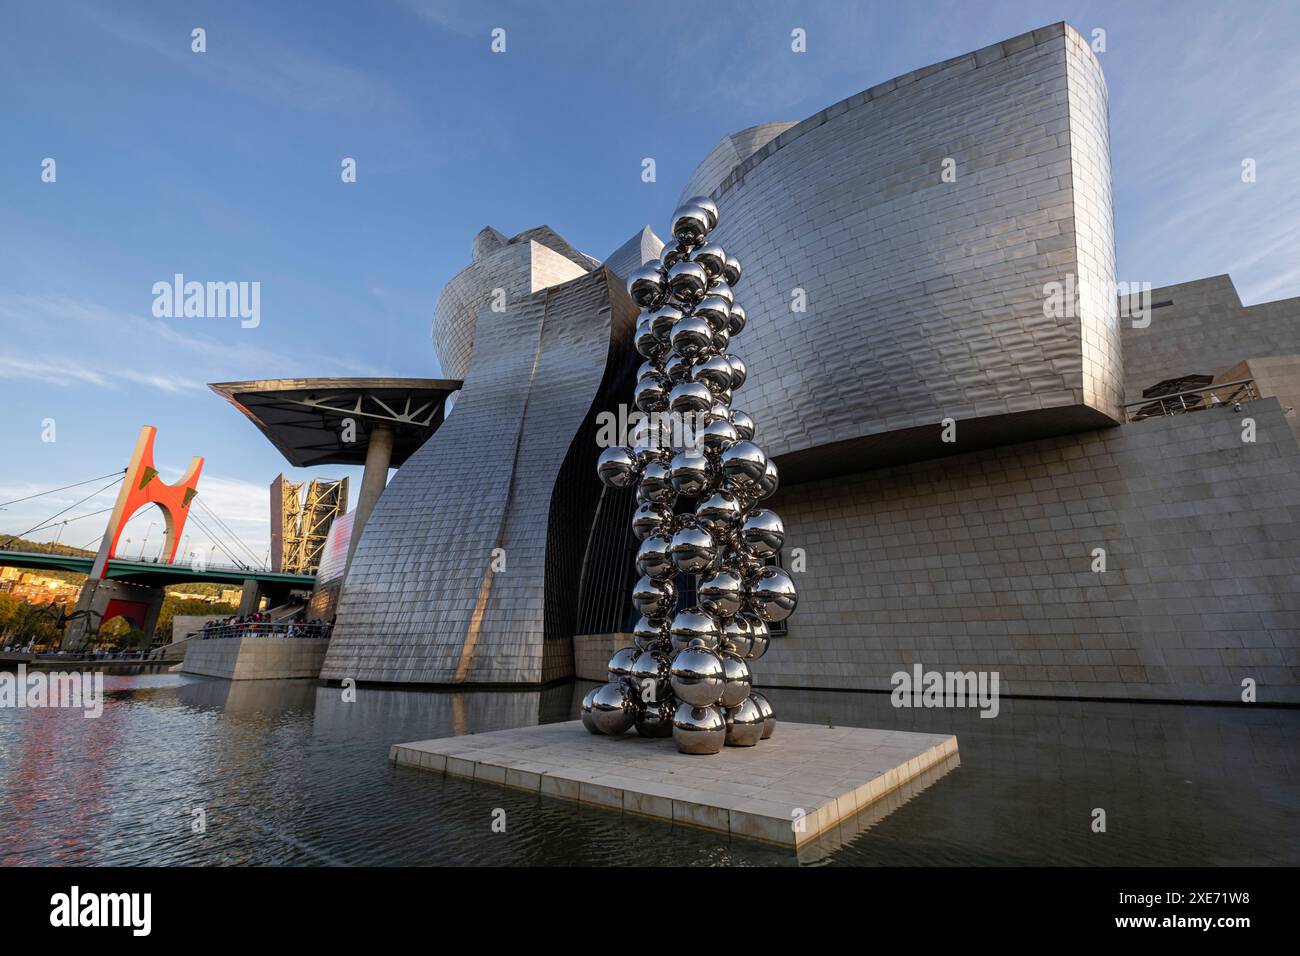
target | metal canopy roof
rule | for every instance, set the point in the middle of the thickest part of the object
(305, 418)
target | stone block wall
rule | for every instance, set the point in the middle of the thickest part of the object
(984, 561)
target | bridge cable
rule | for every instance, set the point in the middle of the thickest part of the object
(221, 524)
(14, 537)
(239, 564)
(89, 514)
(39, 494)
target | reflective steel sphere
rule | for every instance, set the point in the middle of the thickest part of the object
(743, 464)
(738, 370)
(690, 223)
(649, 518)
(652, 393)
(715, 310)
(708, 205)
(689, 472)
(653, 558)
(620, 665)
(585, 710)
(720, 512)
(759, 637)
(651, 635)
(673, 252)
(654, 599)
(616, 467)
(712, 257)
(763, 533)
(656, 719)
(731, 271)
(713, 372)
(691, 335)
(772, 595)
(688, 281)
(736, 321)
(717, 436)
(720, 340)
(662, 320)
(720, 288)
(651, 673)
(744, 723)
(722, 592)
(699, 730)
(744, 424)
(697, 676)
(678, 368)
(694, 624)
(736, 636)
(694, 549)
(613, 709)
(645, 285)
(737, 681)
(770, 481)
(656, 483)
(764, 708)
(689, 398)
(646, 342)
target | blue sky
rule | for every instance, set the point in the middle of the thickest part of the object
(225, 166)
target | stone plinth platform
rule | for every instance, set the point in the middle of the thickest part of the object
(821, 775)
(255, 658)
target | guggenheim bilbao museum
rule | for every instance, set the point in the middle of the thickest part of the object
(988, 460)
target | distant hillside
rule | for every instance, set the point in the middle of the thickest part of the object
(41, 547)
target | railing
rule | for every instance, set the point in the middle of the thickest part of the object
(284, 629)
(1224, 395)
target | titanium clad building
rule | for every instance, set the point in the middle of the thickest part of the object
(981, 464)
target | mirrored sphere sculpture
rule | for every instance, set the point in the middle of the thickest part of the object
(587, 720)
(699, 730)
(698, 676)
(769, 719)
(745, 723)
(613, 708)
(698, 485)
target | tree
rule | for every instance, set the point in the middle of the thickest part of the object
(10, 610)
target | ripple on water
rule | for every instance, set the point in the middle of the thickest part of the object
(286, 773)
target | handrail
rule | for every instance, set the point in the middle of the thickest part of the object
(1176, 403)
(1190, 391)
(285, 629)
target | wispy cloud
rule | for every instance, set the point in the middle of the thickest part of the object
(258, 66)
(118, 349)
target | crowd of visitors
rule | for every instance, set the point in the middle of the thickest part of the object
(258, 624)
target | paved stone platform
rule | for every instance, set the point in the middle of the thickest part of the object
(821, 775)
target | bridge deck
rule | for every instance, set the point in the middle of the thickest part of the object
(150, 572)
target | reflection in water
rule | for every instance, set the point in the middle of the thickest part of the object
(286, 772)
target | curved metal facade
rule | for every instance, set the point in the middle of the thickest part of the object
(467, 571)
(535, 259)
(925, 298)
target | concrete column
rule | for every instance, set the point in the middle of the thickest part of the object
(378, 454)
(250, 598)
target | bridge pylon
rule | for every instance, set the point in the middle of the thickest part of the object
(102, 599)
